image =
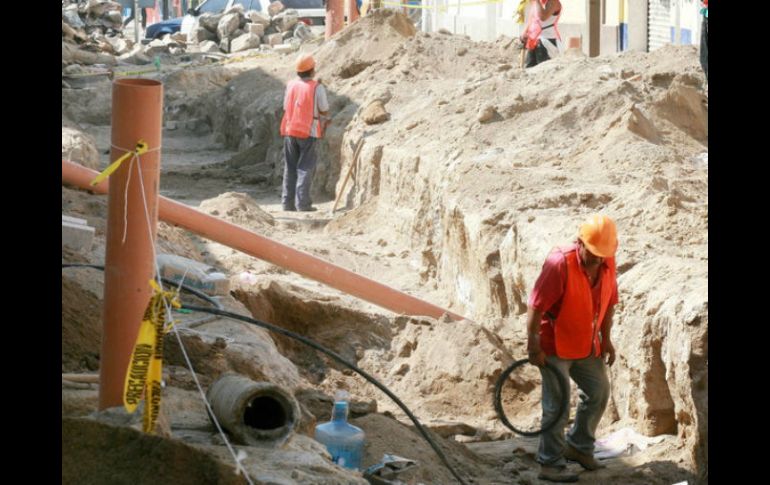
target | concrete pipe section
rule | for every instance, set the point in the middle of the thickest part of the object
(255, 413)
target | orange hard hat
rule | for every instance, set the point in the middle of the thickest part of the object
(599, 235)
(305, 62)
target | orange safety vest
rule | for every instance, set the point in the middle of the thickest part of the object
(535, 27)
(576, 329)
(298, 117)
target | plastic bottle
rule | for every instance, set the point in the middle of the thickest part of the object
(344, 441)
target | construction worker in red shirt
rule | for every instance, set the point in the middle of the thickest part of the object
(569, 321)
(305, 117)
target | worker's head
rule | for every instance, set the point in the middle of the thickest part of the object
(597, 239)
(305, 65)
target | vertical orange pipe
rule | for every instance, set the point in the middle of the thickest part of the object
(335, 9)
(352, 11)
(137, 107)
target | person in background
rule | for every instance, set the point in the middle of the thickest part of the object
(306, 110)
(541, 38)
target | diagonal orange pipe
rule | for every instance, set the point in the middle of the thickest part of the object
(271, 251)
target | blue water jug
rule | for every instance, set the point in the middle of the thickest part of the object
(344, 441)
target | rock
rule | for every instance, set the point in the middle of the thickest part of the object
(79, 147)
(70, 53)
(274, 8)
(210, 21)
(258, 18)
(273, 39)
(224, 45)
(444, 31)
(287, 35)
(236, 8)
(175, 50)
(375, 113)
(227, 25)
(462, 51)
(113, 19)
(303, 32)
(256, 29)
(286, 20)
(120, 45)
(284, 48)
(209, 46)
(237, 34)
(179, 37)
(136, 56)
(200, 34)
(70, 15)
(487, 114)
(245, 41)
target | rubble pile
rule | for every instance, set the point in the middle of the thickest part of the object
(92, 34)
(237, 30)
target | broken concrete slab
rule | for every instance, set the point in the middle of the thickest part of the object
(284, 48)
(256, 29)
(246, 41)
(273, 39)
(228, 24)
(258, 18)
(210, 21)
(209, 46)
(200, 34)
(286, 20)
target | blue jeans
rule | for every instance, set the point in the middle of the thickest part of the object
(590, 374)
(299, 164)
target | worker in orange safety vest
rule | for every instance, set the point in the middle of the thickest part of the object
(305, 117)
(569, 321)
(541, 37)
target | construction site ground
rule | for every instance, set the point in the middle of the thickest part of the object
(471, 170)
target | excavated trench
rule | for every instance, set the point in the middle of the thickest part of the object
(461, 213)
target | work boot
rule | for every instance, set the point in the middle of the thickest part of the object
(557, 474)
(586, 461)
(289, 208)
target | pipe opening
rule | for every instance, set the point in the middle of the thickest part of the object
(266, 413)
(137, 82)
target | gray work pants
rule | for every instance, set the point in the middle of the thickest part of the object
(593, 391)
(299, 164)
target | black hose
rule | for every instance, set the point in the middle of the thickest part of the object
(219, 311)
(563, 403)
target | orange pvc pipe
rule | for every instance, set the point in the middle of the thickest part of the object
(335, 11)
(274, 252)
(352, 11)
(137, 107)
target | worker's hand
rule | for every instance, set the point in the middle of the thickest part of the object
(608, 352)
(536, 354)
(537, 358)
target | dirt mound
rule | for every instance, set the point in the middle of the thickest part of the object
(239, 209)
(386, 435)
(81, 328)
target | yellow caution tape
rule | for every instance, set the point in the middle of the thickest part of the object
(145, 371)
(141, 148)
(440, 8)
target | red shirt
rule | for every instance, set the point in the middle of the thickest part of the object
(548, 291)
